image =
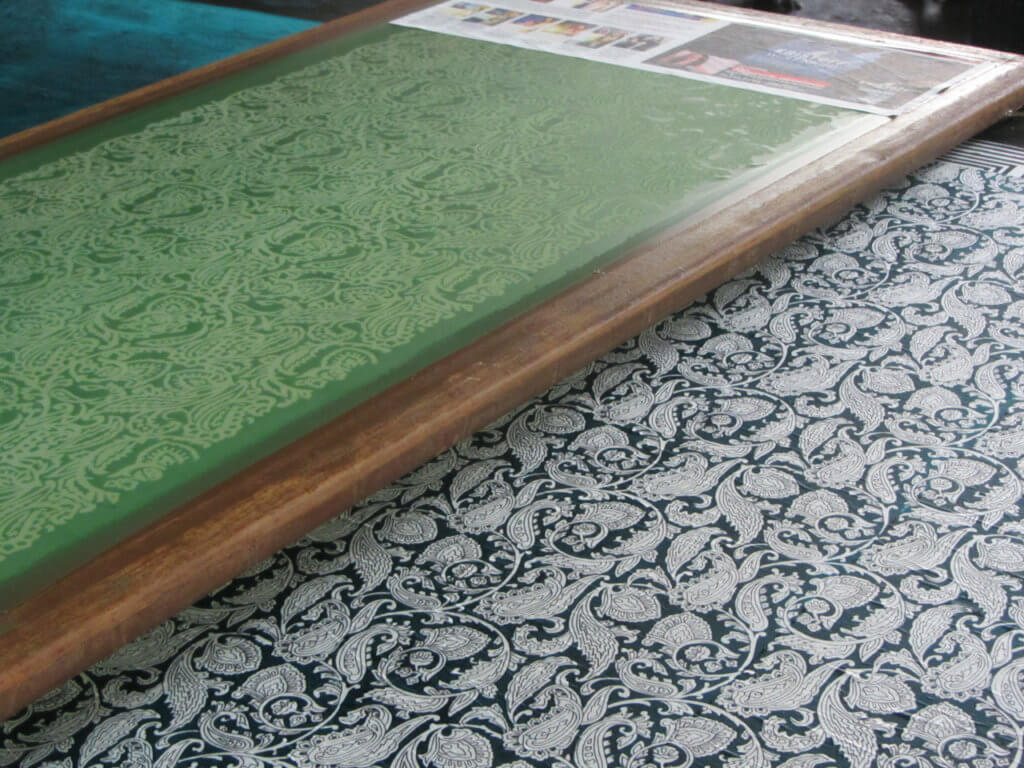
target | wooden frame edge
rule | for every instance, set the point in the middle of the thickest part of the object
(36, 136)
(381, 13)
(79, 620)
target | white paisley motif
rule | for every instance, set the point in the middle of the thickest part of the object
(783, 527)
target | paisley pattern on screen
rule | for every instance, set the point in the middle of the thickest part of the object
(783, 527)
(178, 297)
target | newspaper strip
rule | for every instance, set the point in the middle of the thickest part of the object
(827, 69)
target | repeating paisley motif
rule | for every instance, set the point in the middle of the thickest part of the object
(184, 294)
(781, 528)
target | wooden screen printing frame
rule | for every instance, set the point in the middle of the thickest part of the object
(60, 630)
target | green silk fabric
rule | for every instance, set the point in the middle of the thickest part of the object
(190, 287)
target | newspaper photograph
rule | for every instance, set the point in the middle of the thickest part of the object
(773, 59)
(840, 71)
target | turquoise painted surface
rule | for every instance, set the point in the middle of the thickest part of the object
(58, 56)
(192, 286)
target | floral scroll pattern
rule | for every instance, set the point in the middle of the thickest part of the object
(171, 293)
(781, 528)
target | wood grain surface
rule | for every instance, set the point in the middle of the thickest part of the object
(150, 576)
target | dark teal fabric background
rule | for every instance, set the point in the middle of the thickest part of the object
(780, 529)
(58, 56)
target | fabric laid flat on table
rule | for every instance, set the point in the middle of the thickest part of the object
(192, 286)
(781, 528)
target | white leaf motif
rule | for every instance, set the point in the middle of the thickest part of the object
(371, 561)
(855, 739)
(930, 626)
(685, 547)
(186, 691)
(306, 594)
(530, 679)
(111, 731)
(743, 515)
(595, 641)
(982, 588)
